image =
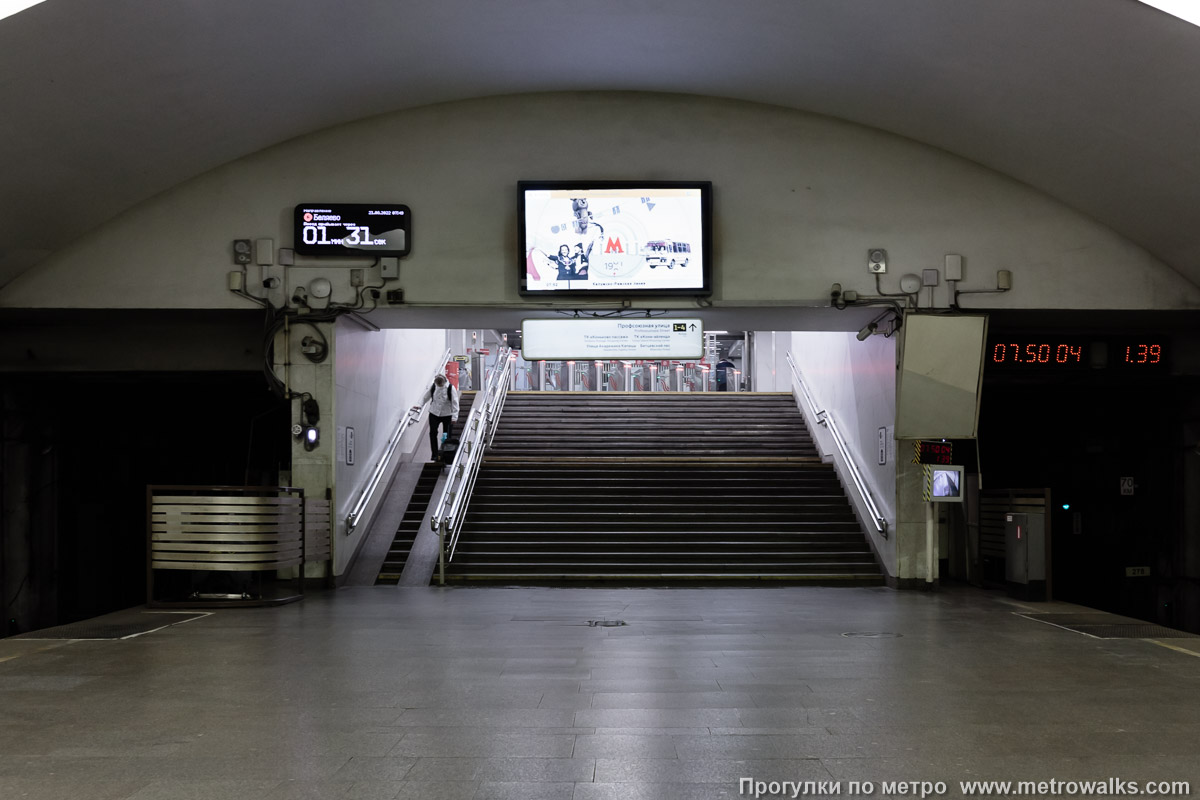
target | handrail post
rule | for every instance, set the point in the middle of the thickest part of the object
(442, 553)
(478, 431)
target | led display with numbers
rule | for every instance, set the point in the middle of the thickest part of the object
(1045, 353)
(1147, 353)
(1054, 353)
(934, 452)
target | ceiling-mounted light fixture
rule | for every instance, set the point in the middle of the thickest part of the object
(1186, 10)
(10, 7)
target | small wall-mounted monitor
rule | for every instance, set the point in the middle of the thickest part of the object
(944, 483)
(605, 238)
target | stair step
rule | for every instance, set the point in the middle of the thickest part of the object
(410, 523)
(641, 487)
(865, 567)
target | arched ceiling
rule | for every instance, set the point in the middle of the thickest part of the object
(103, 105)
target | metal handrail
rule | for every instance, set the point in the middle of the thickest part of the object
(823, 417)
(407, 419)
(478, 432)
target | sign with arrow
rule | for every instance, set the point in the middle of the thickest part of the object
(622, 337)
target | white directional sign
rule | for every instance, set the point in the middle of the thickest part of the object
(632, 337)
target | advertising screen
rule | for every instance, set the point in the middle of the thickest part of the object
(615, 238)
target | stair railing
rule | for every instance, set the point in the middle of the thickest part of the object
(823, 417)
(408, 418)
(477, 435)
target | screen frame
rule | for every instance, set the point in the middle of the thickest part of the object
(349, 251)
(706, 238)
(957, 469)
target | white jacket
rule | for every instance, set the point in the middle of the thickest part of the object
(443, 402)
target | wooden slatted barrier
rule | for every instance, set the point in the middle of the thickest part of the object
(234, 529)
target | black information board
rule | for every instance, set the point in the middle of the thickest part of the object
(342, 229)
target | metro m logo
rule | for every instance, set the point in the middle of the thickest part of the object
(614, 246)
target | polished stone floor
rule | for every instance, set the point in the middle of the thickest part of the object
(378, 692)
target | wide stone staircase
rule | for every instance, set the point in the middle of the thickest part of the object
(647, 488)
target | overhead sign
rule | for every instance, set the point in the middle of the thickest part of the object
(656, 339)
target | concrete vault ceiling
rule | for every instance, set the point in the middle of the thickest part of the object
(103, 105)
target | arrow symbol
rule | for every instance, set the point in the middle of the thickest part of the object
(693, 326)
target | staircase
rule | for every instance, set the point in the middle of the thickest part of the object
(410, 525)
(657, 488)
(417, 512)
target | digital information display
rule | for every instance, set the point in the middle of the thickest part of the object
(632, 338)
(1147, 353)
(928, 452)
(1047, 352)
(626, 239)
(1059, 354)
(342, 229)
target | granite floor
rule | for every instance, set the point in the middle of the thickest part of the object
(378, 692)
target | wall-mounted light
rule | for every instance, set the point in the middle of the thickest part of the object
(312, 437)
(307, 430)
(320, 288)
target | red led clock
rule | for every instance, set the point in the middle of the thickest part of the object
(1061, 354)
(1048, 353)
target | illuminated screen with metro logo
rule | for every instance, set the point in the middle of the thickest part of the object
(615, 238)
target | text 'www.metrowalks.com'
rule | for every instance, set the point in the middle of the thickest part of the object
(1106, 787)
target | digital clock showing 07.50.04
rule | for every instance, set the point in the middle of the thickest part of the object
(1047, 353)
(1054, 354)
(341, 229)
